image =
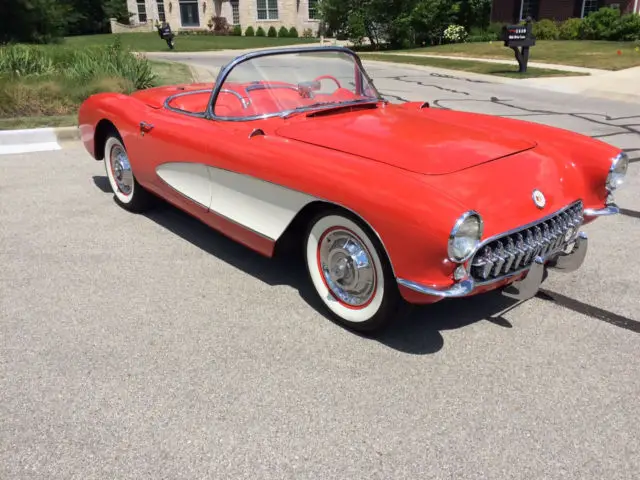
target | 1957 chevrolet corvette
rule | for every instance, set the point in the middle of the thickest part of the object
(389, 202)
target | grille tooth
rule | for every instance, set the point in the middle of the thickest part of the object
(500, 258)
(511, 253)
(520, 249)
(515, 251)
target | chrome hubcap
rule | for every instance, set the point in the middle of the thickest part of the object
(347, 268)
(121, 169)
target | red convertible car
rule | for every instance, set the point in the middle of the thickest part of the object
(388, 202)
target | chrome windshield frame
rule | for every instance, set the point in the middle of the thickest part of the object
(228, 68)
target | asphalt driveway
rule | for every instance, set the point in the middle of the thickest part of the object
(148, 346)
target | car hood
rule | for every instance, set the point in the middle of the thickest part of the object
(429, 141)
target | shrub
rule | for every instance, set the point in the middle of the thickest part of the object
(76, 65)
(237, 31)
(272, 32)
(546, 30)
(221, 26)
(600, 25)
(39, 80)
(24, 61)
(260, 32)
(483, 37)
(570, 29)
(293, 33)
(283, 32)
(627, 28)
(455, 34)
(249, 32)
(307, 33)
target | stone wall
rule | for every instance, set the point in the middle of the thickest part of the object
(122, 28)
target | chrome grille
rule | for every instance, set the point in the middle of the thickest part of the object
(515, 251)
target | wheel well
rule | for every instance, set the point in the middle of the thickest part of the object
(103, 129)
(290, 239)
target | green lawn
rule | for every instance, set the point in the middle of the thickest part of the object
(579, 53)
(468, 66)
(65, 112)
(151, 42)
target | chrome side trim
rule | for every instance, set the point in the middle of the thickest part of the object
(464, 288)
(602, 212)
(217, 214)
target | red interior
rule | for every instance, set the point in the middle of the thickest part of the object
(267, 100)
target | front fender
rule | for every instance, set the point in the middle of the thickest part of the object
(122, 111)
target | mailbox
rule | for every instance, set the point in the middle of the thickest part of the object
(519, 37)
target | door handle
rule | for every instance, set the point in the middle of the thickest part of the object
(145, 127)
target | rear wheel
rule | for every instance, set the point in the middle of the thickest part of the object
(350, 272)
(128, 192)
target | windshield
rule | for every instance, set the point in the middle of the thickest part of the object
(284, 83)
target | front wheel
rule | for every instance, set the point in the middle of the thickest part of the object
(128, 192)
(351, 273)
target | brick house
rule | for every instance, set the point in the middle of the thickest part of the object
(508, 11)
(196, 14)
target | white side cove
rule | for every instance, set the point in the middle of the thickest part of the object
(190, 179)
(30, 140)
(264, 207)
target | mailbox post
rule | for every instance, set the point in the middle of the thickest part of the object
(519, 36)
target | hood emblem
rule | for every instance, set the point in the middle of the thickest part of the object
(538, 199)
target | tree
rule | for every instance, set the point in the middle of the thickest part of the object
(33, 21)
(401, 23)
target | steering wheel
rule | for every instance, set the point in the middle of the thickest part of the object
(328, 77)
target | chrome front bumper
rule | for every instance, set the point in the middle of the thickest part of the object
(611, 209)
(522, 289)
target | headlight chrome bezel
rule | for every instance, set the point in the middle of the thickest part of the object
(619, 166)
(460, 222)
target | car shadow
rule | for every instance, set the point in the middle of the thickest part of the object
(416, 331)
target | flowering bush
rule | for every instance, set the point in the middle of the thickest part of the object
(455, 34)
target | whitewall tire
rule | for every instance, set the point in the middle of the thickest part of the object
(350, 272)
(128, 192)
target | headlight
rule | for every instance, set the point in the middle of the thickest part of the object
(617, 172)
(465, 236)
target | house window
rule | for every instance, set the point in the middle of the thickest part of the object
(313, 9)
(142, 11)
(267, 9)
(589, 6)
(189, 13)
(235, 12)
(528, 8)
(161, 16)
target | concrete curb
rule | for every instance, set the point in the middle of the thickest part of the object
(37, 139)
